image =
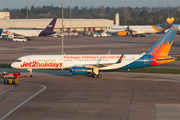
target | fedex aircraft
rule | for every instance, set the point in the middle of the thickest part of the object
(135, 30)
(91, 64)
(34, 33)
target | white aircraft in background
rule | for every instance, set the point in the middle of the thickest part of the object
(91, 64)
(32, 33)
(135, 30)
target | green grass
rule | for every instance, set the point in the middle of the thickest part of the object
(152, 70)
(5, 65)
(178, 58)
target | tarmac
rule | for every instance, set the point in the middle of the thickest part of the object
(115, 96)
(57, 95)
(10, 51)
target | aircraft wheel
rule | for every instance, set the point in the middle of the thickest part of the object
(99, 75)
(31, 76)
(95, 76)
(134, 35)
(142, 35)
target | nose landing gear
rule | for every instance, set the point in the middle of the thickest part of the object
(31, 74)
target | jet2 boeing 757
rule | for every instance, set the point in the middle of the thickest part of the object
(91, 64)
(34, 33)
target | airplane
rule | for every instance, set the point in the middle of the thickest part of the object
(136, 30)
(91, 64)
(33, 33)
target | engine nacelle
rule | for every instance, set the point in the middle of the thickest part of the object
(122, 33)
(80, 71)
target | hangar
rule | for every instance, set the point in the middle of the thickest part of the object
(74, 24)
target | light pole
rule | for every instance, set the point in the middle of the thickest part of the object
(125, 12)
(1, 5)
(27, 9)
(1, 13)
(62, 30)
(168, 7)
(70, 18)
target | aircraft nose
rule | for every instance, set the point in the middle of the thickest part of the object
(13, 65)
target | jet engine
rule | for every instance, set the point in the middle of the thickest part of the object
(80, 71)
(122, 33)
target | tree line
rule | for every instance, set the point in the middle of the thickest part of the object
(134, 16)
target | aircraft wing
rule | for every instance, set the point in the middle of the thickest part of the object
(95, 65)
(101, 65)
(136, 31)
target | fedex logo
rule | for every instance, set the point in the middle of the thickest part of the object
(50, 25)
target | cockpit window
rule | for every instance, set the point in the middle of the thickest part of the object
(18, 61)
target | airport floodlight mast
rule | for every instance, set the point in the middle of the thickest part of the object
(168, 7)
(70, 18)
(62, 30)
(1, 12)
(27, 9)
(1, 5)
(125, 12)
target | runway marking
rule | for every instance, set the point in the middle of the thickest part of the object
(6, 90)
(6, 115)
(11, 97)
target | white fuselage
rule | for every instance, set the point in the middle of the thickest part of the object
(26, 33)
(68, 61)
(137, 29)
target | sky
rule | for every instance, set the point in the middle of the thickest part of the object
(18, 4)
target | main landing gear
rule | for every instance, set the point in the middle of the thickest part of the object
(96, 74)
(31, 74)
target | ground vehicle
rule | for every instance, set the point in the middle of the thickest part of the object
(12, 77)
(14, 74)
(21, 39)
(9, 80)
(95, 34)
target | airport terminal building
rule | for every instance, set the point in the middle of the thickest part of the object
(74, 24)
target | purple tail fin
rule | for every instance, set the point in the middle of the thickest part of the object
(49, 29)
(51, 25)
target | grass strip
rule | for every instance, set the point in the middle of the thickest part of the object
(5, 65)
(152, 70)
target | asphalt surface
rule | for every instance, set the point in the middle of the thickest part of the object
(10, 51)
(115, 96)
(12, 96)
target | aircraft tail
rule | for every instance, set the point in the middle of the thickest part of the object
(51, 25)
(49, 29)
(159, 51)
(168, 22)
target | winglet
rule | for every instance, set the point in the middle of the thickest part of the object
(109, 52)
(120, 59)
